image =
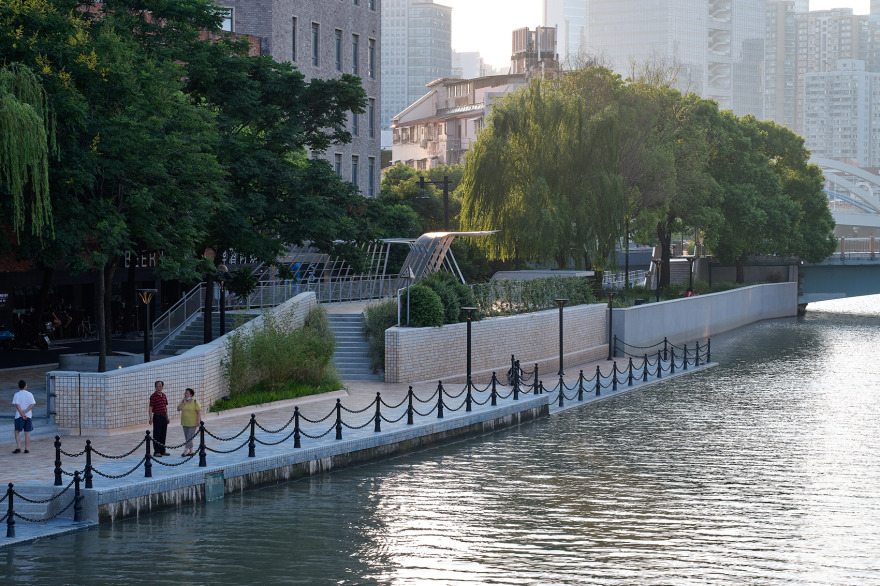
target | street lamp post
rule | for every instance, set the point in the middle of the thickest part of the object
(470, 316)
(561, 303)
(445, 184)
(146, 296)
(222, 276)
(611, 348)
(658, 264)
(691, 260)
(516, 254)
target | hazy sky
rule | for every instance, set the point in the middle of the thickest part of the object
(485, 25)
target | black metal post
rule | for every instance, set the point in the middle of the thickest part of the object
(516, 381)
(296, 431)
(494, 393)
(645, 369)
(77, 498)
(535, 387)
(684, 366)
(630, 372)
(88, 470)
(146, 332)
(470, 315)
(672, 362)
(581, 386)
(691, 260)
(697, 355)
(202, 451)
(58, 481)
(338, 419)
(148, 464)
(659, 365)
(611, 348)
(378, 417)
(409, 408)
(468, 399)
(222, 308)
(252, 451)
(708, 351)
(598, 381)
(614, 377)
(665, 349)
(511, 378)
(561, 392)
(561, 303)
(440, 400)
(10, 512)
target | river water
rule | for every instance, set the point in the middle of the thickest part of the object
(763, 470)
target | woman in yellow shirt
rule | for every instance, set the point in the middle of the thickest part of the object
(190, 418)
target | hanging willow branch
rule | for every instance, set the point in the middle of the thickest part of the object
(27, 133)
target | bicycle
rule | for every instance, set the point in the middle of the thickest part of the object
(86, 329)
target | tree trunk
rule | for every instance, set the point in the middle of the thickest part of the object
(129, 320)
(626, 261)
(109, 271)
(43, 298)
(741, 269)
(209, 308)
(664, 239)
(99, 318)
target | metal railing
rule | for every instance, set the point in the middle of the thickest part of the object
(856, 249)
(167, 324)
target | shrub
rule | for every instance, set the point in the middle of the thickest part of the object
(507, 296)
(378, 317)
(425, 307)
(445, 291)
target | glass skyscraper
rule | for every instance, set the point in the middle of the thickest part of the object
(570, 19)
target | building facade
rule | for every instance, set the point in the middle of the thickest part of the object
(324, 40)
(417, 39)
(842, 114)
(780, 99)
(569, 18)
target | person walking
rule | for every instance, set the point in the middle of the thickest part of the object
(24, 403)
(159, 418)
(190, 418)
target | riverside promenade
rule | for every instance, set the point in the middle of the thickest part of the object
(120, 488)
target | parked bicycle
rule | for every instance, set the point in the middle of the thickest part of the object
(86, 329)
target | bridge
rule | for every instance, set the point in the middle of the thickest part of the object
(853, 197)
(852, 271)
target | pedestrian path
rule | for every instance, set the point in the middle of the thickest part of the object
(228, 437)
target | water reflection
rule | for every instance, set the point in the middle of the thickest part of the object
(762, 470)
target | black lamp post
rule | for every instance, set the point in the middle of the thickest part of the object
(222, 276)
(658, 264)
(445, 184)
(611, 348)
(561, 303)
(470, 316)
(516, 254)
(146, 296)
(691, 260)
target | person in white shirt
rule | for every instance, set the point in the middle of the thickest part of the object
(24, 403)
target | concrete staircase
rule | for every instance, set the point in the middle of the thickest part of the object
(351, 358)
(193, 334)
(679, 271)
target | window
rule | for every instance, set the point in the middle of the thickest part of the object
(355, 124)
(371, 58)
(355, 67)
(337, 163)
(316, 37)
(293, 40)
(227, 21)
(371, 179)
(371, 117)
(357, 2)
(372, 4)
(354, 169)
(338, 50)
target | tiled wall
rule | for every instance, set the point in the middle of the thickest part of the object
(419, 354)
(100, 402)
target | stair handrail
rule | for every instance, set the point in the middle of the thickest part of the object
(167, 324)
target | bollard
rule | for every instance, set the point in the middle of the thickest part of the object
(58, 481)
(202, 451)
(581, 385)
(339, 419)
(77, 499)
(645, 369)
(659, 365)
(409, 408)
(630, 377)
(708, 351)
(467, 398)
(513, 371)
(88, 474)
(685, 365)
(378, 417)
(614, 347)
(614, 376)
(494, 393)
(697, 355)
(10, 513)
(665, 347)
(561, 392)
(296, 434)
(440, 400)
(148, 464)
(672, 362)
(516, 384)
(251, 441)
(598, 381)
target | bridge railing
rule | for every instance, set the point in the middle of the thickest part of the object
(856, 249)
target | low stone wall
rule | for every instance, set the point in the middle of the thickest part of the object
(692, 318)
(419, 354)
(102, 402)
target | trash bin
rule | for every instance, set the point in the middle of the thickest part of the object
(639, 302)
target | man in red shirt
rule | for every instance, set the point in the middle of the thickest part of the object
(159, 419)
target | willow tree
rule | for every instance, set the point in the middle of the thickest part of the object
(544, 171)
(26, 137)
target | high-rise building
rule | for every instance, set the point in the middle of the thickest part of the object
(324, 40)
(716, 46)
(417, 49)
(839, 111)
(780, 101)
(570, 19)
